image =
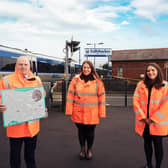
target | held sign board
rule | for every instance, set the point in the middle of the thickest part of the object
(98, 52)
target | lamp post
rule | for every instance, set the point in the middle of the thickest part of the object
(94, 45)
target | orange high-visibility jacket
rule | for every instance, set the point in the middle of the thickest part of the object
(86, 101)
(16, 80)
(158, 109)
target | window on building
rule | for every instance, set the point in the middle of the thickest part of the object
(120, 71)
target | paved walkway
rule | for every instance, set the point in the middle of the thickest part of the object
(116, 145)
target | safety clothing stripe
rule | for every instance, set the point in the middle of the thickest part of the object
(139, 85)
(85, 94)
(138, 122)
(76, 85)
(70, 100)
(71, 91)
(165, 97)
(38, 79)
(160, 114)
(138, 111)
(85, 104)
(6, 82)
(103, 103)
(136, 94)
(156, 101)
(142, 102)
(102, 93)
(161, 123)
(96, 86)
(82, 94)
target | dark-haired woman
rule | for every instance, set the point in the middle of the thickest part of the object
(86, 104)
(150, 103)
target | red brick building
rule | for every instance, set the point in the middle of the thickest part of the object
(132, 63)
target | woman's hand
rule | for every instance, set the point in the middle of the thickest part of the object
(147, 121)
(2, 108)
(46, 113)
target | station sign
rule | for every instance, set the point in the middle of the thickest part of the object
(98, 52)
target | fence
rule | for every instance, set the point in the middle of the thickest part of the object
(118, 93)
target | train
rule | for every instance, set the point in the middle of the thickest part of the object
(49, 68)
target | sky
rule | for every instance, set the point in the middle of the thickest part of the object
(43, 26)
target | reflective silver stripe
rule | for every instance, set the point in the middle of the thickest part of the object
(38, 79)
(138, 111)
(76, 85)
(160, 114)
(139, 84)
(96, 87)
(71, 91)
(136, 94)
(86, 94)
(161, 123)
(138, 122)
(165, 97)
(6, 82)
(70, 100)
(142, 102)
(84, 104)
(103, 103)
(82, 94)
(102, 93)
(156, 101)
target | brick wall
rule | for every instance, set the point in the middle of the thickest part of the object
(134, 69)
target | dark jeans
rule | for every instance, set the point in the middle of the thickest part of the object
(29, 151)
(158, 146)
(86, 134)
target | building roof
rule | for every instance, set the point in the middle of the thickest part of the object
(140, 54)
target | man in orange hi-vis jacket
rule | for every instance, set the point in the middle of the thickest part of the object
(27, 132)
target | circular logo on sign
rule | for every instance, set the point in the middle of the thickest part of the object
(36, 95)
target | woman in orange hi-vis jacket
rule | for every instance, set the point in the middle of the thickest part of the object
(150, 103)
(86, 104)
(27, 132)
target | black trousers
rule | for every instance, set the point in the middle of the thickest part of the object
(29, 151)
(86, 133)
(158, 146)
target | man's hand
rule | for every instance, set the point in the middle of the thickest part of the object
(2, 108)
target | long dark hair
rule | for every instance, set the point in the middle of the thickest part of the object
(158, 82)
(93, 70)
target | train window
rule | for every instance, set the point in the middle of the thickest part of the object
(50, 66)
(7, 63)
(77, 68)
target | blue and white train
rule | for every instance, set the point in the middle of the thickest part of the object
(49, 68)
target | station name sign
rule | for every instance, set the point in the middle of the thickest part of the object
(98, 52)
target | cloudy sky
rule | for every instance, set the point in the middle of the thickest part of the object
(44, 25)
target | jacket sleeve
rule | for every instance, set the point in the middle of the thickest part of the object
(101, 99)
(162, 113)
(139, 114)
(70, 97)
